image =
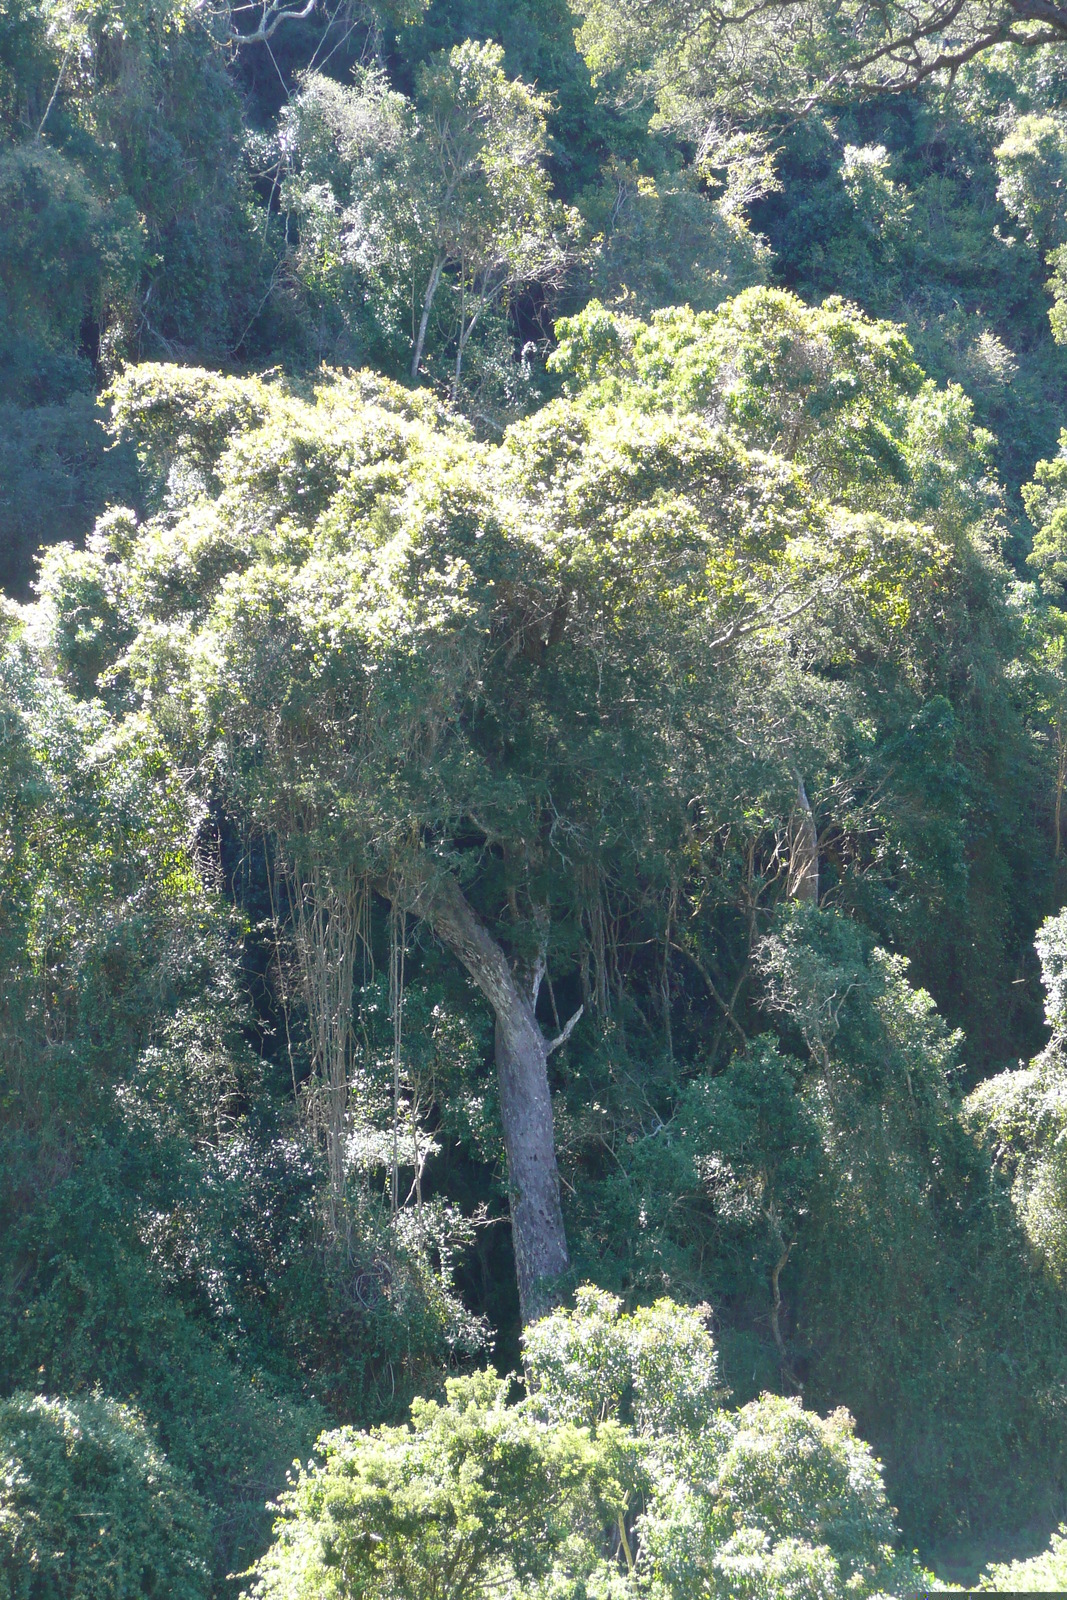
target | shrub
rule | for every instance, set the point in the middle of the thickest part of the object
(1045, 1573)
(90, 1509)
(556, 1496)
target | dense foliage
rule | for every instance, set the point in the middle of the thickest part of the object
(619, 1474)
(92, 1508)
(533, 748)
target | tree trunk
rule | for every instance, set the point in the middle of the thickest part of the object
(541, 1256)
(424, 320)
(803, 881)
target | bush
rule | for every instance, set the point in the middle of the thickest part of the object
(1042, 1574)
(474, 1497)
(557, 1496)
(90, 1509)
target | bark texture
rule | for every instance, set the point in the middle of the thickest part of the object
(541, 1256)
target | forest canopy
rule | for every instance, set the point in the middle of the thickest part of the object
(533, 744)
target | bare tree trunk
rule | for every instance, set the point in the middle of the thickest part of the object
(803, 882)
(466, 329)
(464, 335)
(424, 320)
(776, 1324)
(541, 1256)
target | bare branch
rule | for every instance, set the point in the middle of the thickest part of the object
(568, 1029)
(731, 54)
(726, 1007)
(274, 14)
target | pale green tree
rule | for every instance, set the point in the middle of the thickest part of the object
(475, 1497)
(620, 1475)
(1032, 168)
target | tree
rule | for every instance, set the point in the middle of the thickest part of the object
(443, 197)
(90, 1509)
(873, 1189)
(1032, 166)
(123, 1074)
(454, 674)
(518, 691)
(1020, 1114)
(268, 16)
(122, 167)
(474, 1497)
(664, 241)
(1046, 505)
(619, 1473)
(707, 65)
(489, 216)
(60, 234)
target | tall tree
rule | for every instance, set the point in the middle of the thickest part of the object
(516, 690)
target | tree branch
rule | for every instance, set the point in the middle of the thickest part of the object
(274, 14)
(726, 1009)
(567, 1030)
(762, 619)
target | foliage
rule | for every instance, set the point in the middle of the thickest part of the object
(109, 944)
(828, 388)
(1032, 163)
(888, 1261)
(66, 255)
(705, 64)
(474, 1495)
(58, 472)
(159, 1228)
(655, 1368)
(714, 667)
(400, 203)
(1044, 1573)
(843, 398)
(663, 241)
(556, 1494)
(825, 1190)
(1044, 503)
(137, 196)
(1022, 1115)
(90, 1507)
(389, 641)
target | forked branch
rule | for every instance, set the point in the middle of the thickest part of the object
(272, 15)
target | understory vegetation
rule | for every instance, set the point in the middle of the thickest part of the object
(533, 756)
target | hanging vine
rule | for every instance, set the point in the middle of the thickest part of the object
(329, 914)
(397, 951)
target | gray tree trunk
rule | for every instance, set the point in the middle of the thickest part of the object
(803, 881)
(424, 320)
(541, 1255)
